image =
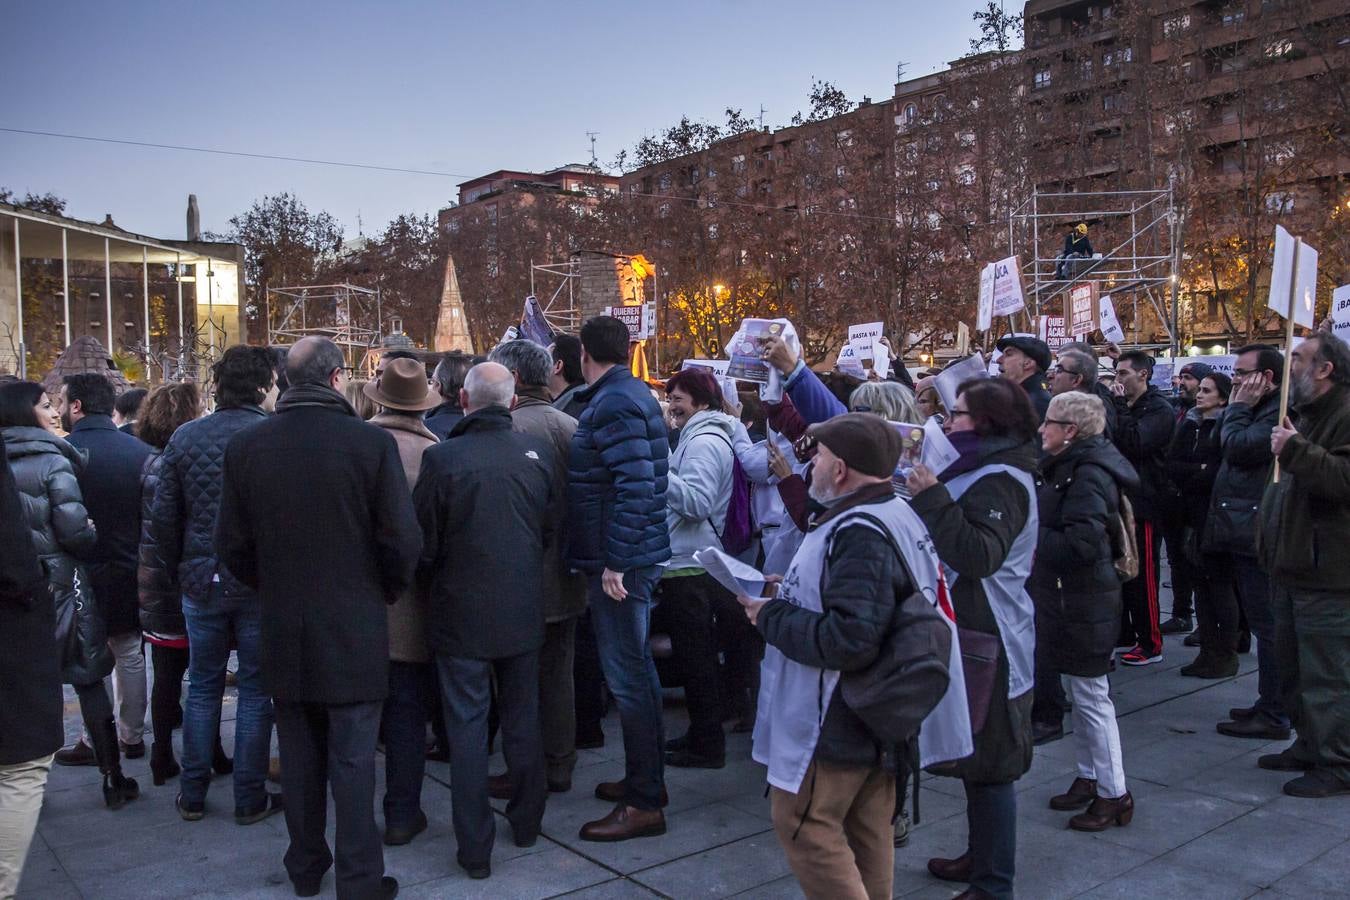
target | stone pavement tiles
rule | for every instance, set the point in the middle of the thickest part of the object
(1208, 823)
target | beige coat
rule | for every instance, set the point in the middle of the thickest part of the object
(407, 617)
(564, 592)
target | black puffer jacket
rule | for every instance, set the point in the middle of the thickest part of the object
(182, 519)
(1073, 580)
(1193, 460)
(1244, 439)
(1143, 432)
(864, 579)
(156, 581)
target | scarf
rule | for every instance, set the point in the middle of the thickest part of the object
(320, 395)
(974, 451)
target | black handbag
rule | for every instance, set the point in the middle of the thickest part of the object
(81, 636)
(979, 664)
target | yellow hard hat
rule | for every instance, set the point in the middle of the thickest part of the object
(1082, 228)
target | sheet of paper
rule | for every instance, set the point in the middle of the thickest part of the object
(747, 351)
(731, 573)
(952, 377)
(938, 452)
(1107, 320)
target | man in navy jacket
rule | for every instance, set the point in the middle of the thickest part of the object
(618, 538)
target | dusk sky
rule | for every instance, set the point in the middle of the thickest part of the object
(462, 88)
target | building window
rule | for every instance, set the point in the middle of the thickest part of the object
(911, 114)
(844, 138)
(841, 171)
(1278, 49)
(1113, 103)
(966, 139)
(1117, 56)
(965, 174)
(712, 170)
(738, 164)
(693, 175)
(1041, 79)
(491, 211)
(931, 185)
(663, 183)
(712, 200)
(712, 231)
(452, 226)
(934, 222)
(1233, 14)
(1176, 25)
(663, 211)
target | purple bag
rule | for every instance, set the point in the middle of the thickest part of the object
(739, 528)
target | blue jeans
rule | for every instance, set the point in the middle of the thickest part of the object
(1254, 593)
(991, 814)
(621, 631)
(210, 624)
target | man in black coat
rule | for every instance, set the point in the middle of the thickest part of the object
(315, 516)
(111, 486)
(1144, 422)
(449, 378)
(30, 683)
(1025, 361)
(486, 500)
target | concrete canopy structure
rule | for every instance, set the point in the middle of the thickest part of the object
(78, 278)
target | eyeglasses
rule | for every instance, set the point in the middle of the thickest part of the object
(860, 408)
(1060, 422)
(1238, 373)
(959, 412)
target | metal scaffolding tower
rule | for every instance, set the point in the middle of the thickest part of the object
(1135, 237)
(348, 315)
(560, 309)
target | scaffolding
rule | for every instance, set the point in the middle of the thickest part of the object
(1135, 242)
(560, 309)
(348, 315)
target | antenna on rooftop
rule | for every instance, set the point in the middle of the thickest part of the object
(900, 68)
(595, 160)
(762, 110)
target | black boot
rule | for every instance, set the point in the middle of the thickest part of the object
(117, 788)
(162, 764)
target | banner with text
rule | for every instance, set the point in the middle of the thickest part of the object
(1303, 296)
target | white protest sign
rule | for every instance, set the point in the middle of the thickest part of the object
(1110, 325)
(962, 338)
(1008, 297)
(1051, 330)
(634, 317)
(1163, 370)
(866, 339)
(949, 379)
(984, 311)
(849, 360)
(1222, 363)
(1281, 269)
(1340, 312)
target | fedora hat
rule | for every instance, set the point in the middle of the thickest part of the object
(403, 386)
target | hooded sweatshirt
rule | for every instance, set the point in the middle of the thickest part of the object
(699, 486)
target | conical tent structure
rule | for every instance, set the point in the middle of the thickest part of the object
(85, 354)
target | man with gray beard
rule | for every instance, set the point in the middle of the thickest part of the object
(1305, 522)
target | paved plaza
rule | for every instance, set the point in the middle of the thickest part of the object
(1208, 823)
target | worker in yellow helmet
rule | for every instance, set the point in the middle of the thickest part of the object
(1076, 246)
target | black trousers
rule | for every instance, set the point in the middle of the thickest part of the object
(403, 723)
(687, 609)
(1140, 594)
(322, 747)
(557, 700)
(466, 692)
(167, 692)
(742, 648)
(589, 684)
(1184, 575)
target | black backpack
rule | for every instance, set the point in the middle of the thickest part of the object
(896, 692)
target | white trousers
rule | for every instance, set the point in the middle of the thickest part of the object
(21, 787)
(127, 687)
(1096, 735)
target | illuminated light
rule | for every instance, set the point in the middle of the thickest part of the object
(1192, 350)
(719, 289)
(1216, 350)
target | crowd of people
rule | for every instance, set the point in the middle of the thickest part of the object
(504, 549)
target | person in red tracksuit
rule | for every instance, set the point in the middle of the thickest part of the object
(1144, 423)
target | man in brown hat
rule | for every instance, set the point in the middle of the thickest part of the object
(833, 786)
(403, 395)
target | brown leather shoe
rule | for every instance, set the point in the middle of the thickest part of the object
(1082, 792)
(613, 792)
(499, 786)
(974, 893)
(958, 869)
(1103, 813)
(624, 823)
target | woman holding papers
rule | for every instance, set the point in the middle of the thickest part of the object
(981, 513)
(697, 495)
(1077, 593)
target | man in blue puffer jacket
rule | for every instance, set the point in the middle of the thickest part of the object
(616, 498)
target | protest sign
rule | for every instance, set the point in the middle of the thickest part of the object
(1287, 290)
(949, 379)
(1222, 363)
(634, 318)
(1340, 312)
(747, 351)
(873, 354)
(849, 360)
(719, 368)
(1163, 370)
(1080, 309)
(1051, 330)
(962, 338)
(1008, 294)
(984, 311)
(1106, 319)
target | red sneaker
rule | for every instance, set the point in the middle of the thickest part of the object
(1138, 657)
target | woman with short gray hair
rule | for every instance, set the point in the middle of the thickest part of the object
(1076, 590)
